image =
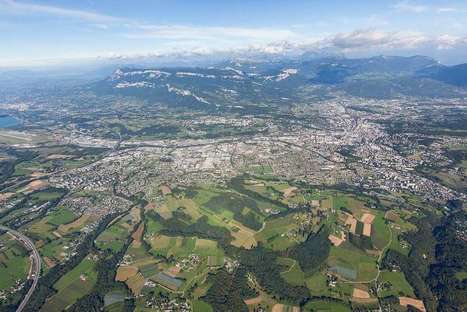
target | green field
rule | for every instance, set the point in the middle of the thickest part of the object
(115, 236)
(274, 233)
(55, 249)
(201, 306)
(380, 233)
(325, 306)
(60, 216)
(27, 167)
(461, 275)
(41, 229)
(179, 246)
(397, 285)
(292, 273)
(396, 243)
(317, 285)
(349, 257)
(45, 196)
(14, 262)
(152, 226)
(72, 286)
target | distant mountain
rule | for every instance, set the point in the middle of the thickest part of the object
(279, 82)
(454, 75)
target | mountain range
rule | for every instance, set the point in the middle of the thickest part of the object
(287, 80)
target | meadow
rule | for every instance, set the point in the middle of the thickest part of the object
(14, 262)
(72, 286)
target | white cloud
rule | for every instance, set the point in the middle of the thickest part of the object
(182, 32)
(14, 7)
(446, 41)
(406, 6)
(412, 7)
(362, 39)
(375, 41)
(446, 10)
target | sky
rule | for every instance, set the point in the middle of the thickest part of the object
(37, 32)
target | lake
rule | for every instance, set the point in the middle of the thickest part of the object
(8, 121)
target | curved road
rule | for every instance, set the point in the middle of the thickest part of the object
(36, 263)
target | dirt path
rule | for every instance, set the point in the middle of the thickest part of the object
(291, 267)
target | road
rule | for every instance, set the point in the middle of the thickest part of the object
(36, 263)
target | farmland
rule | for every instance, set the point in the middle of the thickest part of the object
(395, 284)
(181, 238)
(72, 286)
(322, 305)
(14, 262)
(115, 236)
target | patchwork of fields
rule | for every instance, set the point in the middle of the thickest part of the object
(177, 244)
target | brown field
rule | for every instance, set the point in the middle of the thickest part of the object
(205, 243)
(150, 206)
(6, 196)
(315, 203)
(164, 211)
(125, 272)
(244, 237)
(138, 235)
(356, 206)
(49, 262)
(59, 156)
(405, 301)
(165, 190)
(161, 241)
(352, 222)
(77, 224)
(190, 206)
(290, 191)
(135, 213)
(136, 283)
(368, 218)
(326, 204)
(278, 308)
(253, 301)
(35, 185)
(336, 241)
(392, 216)
(282, 308)
(173, 271)
(367, 229)
(37, 174)
(360, 294)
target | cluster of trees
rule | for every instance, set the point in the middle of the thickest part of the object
(361, 241)
(237, 184)
(7, 167)
(13, 300)
(416, 265)
(262, 263)
(451, 258)
(44, 287)
(201, 228)
(236, 203)
(312, 253)
(229, 290)
(106, 269)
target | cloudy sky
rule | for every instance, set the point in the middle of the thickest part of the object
(33, 30)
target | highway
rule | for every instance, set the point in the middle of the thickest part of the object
(36, 263)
